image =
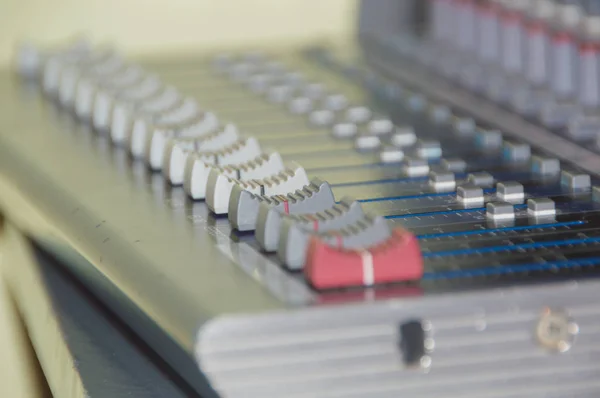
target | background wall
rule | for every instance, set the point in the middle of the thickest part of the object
(142, 26)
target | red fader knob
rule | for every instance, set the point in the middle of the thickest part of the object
(396, 259)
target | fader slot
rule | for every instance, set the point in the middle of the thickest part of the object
(511, 269)
(494, 244)
(458, 232)
(512, 254)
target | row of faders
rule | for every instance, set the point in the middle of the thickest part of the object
(538, 57)
(491, 205)
(337, 244)
(467, 191)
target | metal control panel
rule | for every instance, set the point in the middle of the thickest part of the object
(408, 215)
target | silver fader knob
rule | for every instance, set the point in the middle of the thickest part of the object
(442, 181)
(206, 127)
(205, 185)
(416, 167)
(367, 232)
(440, 114)
(442, 13)
(513, 152)
(545, 167)
(293, 78)
(575, 182)
(564, 69)
(313, 90)
(380, 126)
(296, 230)
(275, 68)
(429, 149)
(500, 211)
(321, 118)
(586, 124)
(107, 92)
(196, 166)
(589, 54)
(391, 154)
(367, 142)
(454, 165)
(463, 37)
(470, 195)
(83, 93)
(488, 140)
(204, 134)
(464, 126)
(541, 207)
(29, 61)
(215, 183)
(358, 114)
(512, 34)
(259, 83)
(70, 73)
(314, 198)
(564, 50)
(416, 102)
(176, 151)
(446, 60)
(403, 137)
(335, 102)
(254, 57)
(487, 48)
(242, 71)
(223, 61)
(246, 196)
(481, 179)
(280, 93)
(300, 105)
(157, 110)
(530, 99)
(52, 71)
(392, 90)
(56, 63)
(127, 103)
(344, 130)
(596, 194)
(512, 192)
(194, 127)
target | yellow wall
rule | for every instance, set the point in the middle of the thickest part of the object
(142, 26)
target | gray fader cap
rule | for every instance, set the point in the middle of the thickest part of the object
(244, 206)
(313, 198)
(297, 230)
(368, 231)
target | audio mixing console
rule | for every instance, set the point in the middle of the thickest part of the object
(419, 214)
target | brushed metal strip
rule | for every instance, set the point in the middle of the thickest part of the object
(467, 357)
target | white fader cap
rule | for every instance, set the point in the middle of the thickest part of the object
(28, 61)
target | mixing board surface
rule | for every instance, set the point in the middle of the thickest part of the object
(481, 205)
(331, 221)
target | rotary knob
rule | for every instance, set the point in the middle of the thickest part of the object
(556, 330)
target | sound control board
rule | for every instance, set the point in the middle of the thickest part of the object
(402, 216)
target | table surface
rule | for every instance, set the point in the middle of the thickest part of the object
(93, 355)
